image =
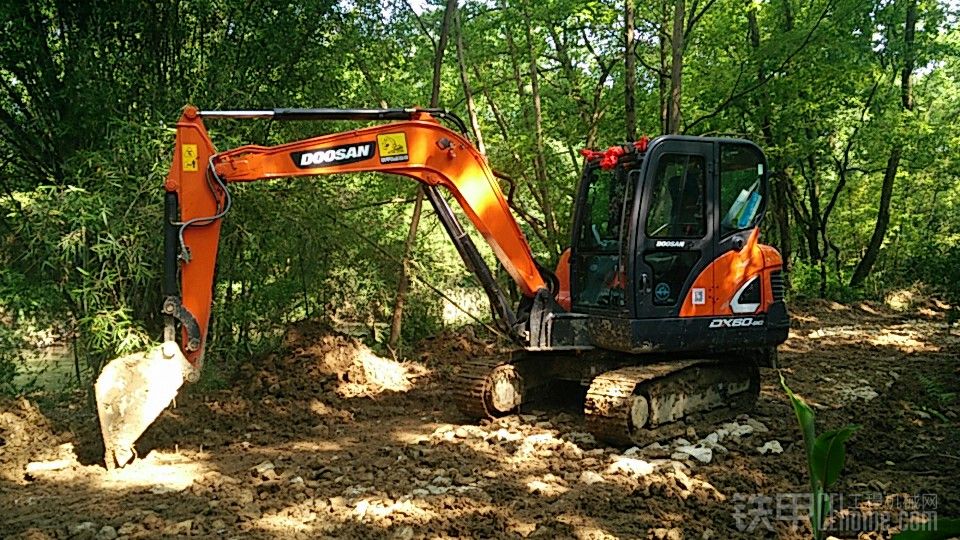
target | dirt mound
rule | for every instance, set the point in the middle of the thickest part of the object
(320, 353)
(25, 436)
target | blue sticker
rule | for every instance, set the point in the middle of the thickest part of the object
(662, 291)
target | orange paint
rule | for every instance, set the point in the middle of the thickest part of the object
(563, 276)
(421, 149)
(730, 271)
(195, 200)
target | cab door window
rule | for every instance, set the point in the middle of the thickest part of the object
(678, 207)
(741, 187)
(604, 228)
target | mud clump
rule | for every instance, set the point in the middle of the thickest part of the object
(25, 436)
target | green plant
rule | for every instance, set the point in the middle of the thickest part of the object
(826, 454)
(943, 529)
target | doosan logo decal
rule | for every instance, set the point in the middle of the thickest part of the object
(671, 243)
(336, 155)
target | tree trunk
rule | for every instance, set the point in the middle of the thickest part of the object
(467, 92)
(410, 243)
(883, 220)
(540, 158)
(630, 65)
(662, 80)
(779, 198)
(865, 266)
(676, 67)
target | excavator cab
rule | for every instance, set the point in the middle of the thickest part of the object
(665, 249)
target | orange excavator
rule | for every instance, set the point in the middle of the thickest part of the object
(661, 312)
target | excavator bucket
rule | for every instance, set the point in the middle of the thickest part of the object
(131, 393)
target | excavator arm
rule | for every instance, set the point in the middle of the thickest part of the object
(132, 391)
(416, 146)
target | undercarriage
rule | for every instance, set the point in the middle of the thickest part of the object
(626, 400)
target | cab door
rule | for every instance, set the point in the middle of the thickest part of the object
(676, 231)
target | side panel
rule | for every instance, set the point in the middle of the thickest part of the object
(724, 277)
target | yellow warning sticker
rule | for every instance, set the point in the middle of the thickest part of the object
(190, 157)
(392, 147)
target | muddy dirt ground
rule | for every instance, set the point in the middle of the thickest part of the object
(328, 440)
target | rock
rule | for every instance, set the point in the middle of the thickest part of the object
(590, 478)
(537, 486)
(441, 481)
(700, 453)
(404, 533)
(179, 529)
(632, 451)
(736, 430)
(571, 451)
(630, 467)
(48, 466)
(506, 435)
(711, 442)
(581, 438)
(127, 529)
(757, 425)
(691, 432)
(106, 533)
(263, 467)
(772, 447)
(437, 490)
(84, 531)
(667, 534)
(361, 509)
(655, 448)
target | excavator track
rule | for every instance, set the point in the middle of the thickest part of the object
(473, 385)
(638, 405)
(492, 386)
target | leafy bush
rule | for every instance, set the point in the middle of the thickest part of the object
(825, 457)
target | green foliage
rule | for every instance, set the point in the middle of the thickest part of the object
(88, 92)
(940, 529)
(806, 281)
(826, 454)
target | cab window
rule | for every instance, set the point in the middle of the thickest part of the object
(741, 187)
(604, 230)
(677, 209)
(601, 227)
